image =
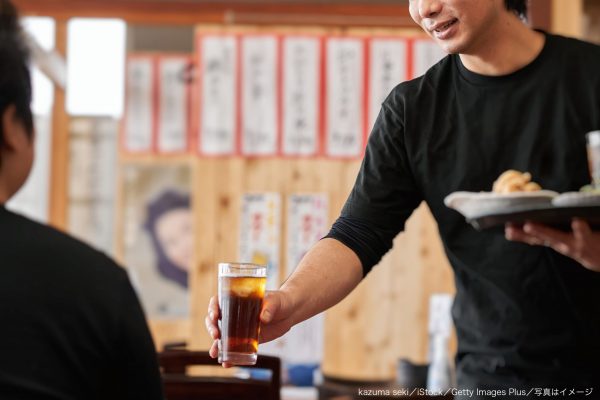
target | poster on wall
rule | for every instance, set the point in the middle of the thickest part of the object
(218, 94)
(388, 68)
(301, 95)
(158, 237)
(426, 53)
(173, 95)
(259, 95)
(138, 131)
(345, 126)
(307, 223)
(260, 230)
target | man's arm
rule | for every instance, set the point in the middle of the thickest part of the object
(325, 276)
(327, 273)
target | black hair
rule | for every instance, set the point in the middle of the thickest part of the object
(519, 7)
(15, 79)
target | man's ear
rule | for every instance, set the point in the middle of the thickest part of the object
(10, 129)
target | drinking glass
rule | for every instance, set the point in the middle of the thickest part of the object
(241, 293)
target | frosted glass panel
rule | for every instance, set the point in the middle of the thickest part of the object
(43, 31)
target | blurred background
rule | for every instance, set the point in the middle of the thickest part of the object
(176, 134)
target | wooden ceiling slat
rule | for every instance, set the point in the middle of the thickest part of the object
(192, 12)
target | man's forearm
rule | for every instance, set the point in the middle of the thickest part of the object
(327, 273)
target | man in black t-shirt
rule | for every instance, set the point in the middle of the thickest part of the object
(507, 97)
(71, 327)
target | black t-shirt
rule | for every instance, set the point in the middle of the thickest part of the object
(524, 315)
(71, 324)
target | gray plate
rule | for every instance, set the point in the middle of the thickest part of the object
(558, 217)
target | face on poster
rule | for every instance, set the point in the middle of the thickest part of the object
(260, 232)
(159, 237)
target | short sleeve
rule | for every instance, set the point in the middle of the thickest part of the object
(384, 195)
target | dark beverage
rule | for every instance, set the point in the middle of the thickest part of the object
(240, 300)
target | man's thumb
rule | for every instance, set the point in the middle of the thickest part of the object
(270, 307)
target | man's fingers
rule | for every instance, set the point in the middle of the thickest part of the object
(214, 349)
(517, 235)
(560, 241)
(271, 305)
(213, 309)
(274, 330)
(551, 237)
(211, 328)
(581, 229)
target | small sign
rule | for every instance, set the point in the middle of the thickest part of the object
(260, 232)
(307, 223)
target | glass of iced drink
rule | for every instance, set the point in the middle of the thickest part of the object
(593, 153)
(241, 293)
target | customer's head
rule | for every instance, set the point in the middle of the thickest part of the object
(16, 120)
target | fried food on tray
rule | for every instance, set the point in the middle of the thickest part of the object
(515, 181)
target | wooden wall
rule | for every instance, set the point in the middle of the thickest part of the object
(385, 318)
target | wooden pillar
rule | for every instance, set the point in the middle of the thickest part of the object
(59, 163)
(568, 17)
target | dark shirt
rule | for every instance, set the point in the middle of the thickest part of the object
(524, 315)
(71, 324)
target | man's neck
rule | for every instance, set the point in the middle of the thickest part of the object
(509, 47)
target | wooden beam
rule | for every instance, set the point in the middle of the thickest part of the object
(567, 17)
(59, 164)
(362, 13)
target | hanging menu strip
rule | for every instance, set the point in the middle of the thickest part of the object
(345, 97)
(173, 125)
(426, 54)
(139, 126)
(218, 94)
(388, 68)
(259, 95)
(301, 95)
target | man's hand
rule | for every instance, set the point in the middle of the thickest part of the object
(582, 244)
(275, 319)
